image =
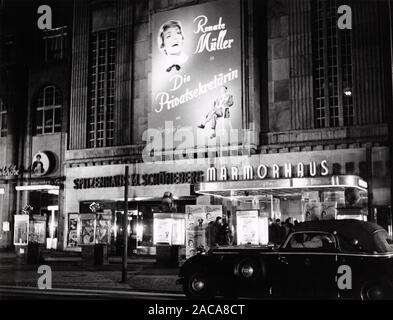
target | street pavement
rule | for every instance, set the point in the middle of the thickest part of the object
(144, 275)
(18, 293)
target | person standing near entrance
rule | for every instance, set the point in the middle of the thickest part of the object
(212, 232)
(224, 234)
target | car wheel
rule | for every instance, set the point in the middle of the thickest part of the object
(375, 290)
(198, 285)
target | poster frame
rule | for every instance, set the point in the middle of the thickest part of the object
(247, 210)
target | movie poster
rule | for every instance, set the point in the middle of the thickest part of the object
(328, 210)
(37, 232)
(73, 230)
(178, 229)
(103, 228)
(87, 229)
(162, 228)
(312, 211)
(21, 229)
(247, 227)
(196, 81)
(199, 224)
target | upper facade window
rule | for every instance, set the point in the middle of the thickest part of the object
(55, 43)
(3, 119)
(101, 123)
(48, 113)
(332, 63)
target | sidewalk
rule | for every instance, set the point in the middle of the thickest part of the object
(144, 274)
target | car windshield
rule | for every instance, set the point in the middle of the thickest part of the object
(383, 242)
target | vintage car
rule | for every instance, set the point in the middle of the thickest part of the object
(328, 259)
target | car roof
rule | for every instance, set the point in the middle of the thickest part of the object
(349, 227)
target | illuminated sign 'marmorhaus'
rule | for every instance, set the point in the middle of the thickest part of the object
(275, 171)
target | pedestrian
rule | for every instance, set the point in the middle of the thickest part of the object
(224, 234)
(288, 225)
(274, 231)
(215, 230)
(283, 232)
(209, 234)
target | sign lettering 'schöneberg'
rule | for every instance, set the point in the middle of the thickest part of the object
(147, 179)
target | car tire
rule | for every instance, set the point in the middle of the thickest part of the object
(376, 289)
(198, 285)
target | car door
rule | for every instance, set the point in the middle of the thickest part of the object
(307, 265)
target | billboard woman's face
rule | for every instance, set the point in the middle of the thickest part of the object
(173, 41)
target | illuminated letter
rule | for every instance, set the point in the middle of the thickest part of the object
(313, 169)
(177, 82)
(260, 175)
(235, 173)
(200, 24)
(287, 170)
(325, 169)
(45, 21)
(211, 174)
(345, 21)
(223, 174)
(247, 173)
(276, 171)
(300, 170)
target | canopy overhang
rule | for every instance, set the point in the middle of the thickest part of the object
(280, 187)
(37, 187)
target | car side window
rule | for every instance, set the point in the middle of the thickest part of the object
(311, 240)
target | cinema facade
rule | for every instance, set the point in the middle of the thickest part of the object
(329, 185)
(305, 134)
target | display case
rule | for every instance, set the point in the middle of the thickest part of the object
(199, 231)
(21, 229)
(88, 222)
(248, 227)
(103, 228)
(73, 230)
(168, 229)
(37, 229)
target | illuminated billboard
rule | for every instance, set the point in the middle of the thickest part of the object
(196, 71)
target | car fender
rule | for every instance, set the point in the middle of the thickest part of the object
(199, 262)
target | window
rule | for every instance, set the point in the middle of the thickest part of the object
(55, 44)
(48, 115)
(9, 49)
(102, 89)
(311, 240)
(332, 64)
(3, 119)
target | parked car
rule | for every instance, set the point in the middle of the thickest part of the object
(305, 266)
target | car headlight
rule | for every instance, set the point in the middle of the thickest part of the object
(246, 271)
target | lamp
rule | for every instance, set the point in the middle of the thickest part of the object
(347, 92)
